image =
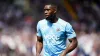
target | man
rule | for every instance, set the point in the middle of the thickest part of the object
(52, 33)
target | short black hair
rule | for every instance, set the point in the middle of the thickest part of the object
(52, 5)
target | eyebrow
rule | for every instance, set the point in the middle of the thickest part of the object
(46, 9)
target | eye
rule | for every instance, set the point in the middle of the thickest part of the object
(46, 9)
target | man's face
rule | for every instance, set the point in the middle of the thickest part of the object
(48, 11)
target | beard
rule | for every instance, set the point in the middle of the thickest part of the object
(51, 17)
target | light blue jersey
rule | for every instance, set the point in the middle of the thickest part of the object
(54, 36)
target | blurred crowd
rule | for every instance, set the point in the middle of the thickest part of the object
(18, 20)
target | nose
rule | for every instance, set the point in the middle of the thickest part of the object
(46, 12)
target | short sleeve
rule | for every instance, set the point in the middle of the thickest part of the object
(70, 32)
(38, 30)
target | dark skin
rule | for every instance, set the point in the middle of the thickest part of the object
(72, 46)
(50, 13)
(39, 45)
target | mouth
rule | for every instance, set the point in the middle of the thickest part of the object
(47, 15)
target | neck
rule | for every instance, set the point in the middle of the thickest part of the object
(53, 19)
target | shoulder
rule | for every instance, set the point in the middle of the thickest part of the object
(63, 22)
(41, 21)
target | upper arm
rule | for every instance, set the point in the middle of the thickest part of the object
(69, 31)
(39, 34)
(40, 39)
(73, 39)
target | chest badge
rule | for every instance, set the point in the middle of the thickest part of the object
(58, 29)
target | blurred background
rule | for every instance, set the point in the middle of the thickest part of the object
(18, 20)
